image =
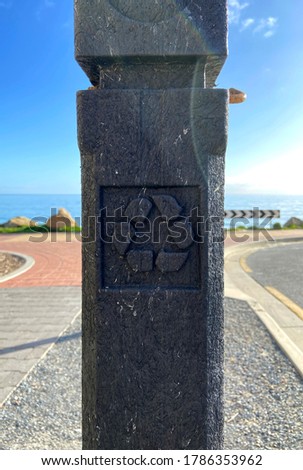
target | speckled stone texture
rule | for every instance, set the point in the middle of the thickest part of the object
(152, 150)
(177, 31)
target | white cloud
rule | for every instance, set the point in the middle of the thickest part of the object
(272, 21)
(267, 26)
(268, 34)
(247, 23)
(235, 8)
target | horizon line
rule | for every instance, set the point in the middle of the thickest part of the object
(229, 193)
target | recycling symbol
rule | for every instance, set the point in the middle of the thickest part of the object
(156, 235)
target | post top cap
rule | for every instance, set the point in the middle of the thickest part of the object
(136, 31)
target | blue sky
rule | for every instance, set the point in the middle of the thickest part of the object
(39, 79)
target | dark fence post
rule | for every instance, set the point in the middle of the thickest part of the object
(152, 135)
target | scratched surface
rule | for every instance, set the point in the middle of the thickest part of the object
(152, 141)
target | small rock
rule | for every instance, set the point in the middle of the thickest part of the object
(61, 220)
(294, 221)
(19, 221)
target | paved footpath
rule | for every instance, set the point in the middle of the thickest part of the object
(57, 259)
(36, 306)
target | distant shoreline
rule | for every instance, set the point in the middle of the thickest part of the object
(41, 205)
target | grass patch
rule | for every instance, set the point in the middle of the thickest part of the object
(38, 229)
(293, 227)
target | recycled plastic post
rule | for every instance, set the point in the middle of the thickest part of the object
(152, 135)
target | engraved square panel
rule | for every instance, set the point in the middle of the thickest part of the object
(150, 237)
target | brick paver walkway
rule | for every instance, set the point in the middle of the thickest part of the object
(57, 259)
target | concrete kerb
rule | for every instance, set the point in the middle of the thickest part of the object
(284, 326)
(28, 264)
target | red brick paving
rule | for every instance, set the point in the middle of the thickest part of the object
(57, 263)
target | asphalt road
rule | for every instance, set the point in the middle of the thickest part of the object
(280, 267)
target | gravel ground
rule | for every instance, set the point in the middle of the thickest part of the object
(9, 263)
(44, 412)
(263, 393)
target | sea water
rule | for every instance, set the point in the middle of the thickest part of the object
(42, 206)
(38, 206)
(288, 205)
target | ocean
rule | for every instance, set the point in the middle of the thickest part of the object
(41, 206)
(288, 205)
(37, 206)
